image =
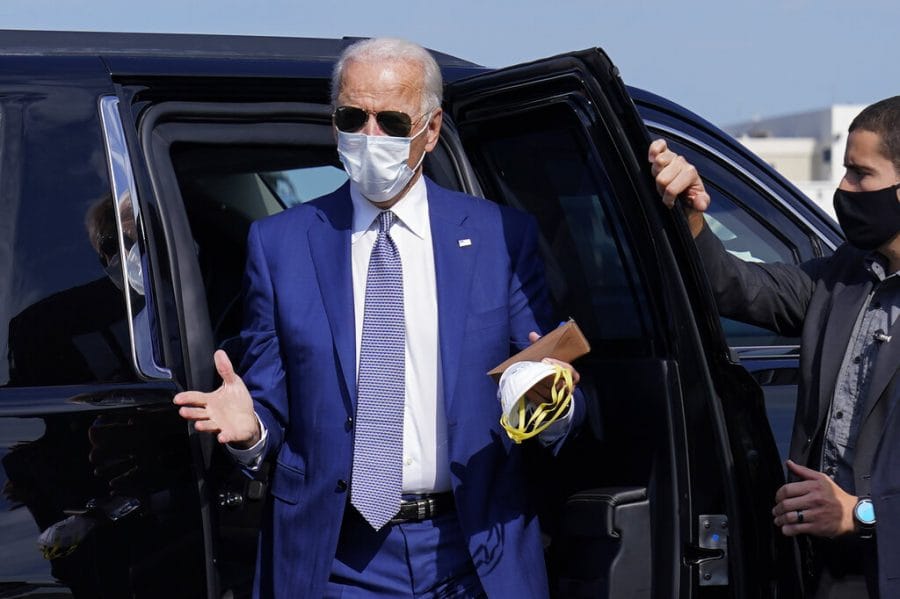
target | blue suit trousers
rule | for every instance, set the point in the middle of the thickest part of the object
(416, 560)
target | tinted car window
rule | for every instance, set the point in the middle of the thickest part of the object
(743, 235)
(551, 174)
(298, 185)
(748, 223)
(62, 316)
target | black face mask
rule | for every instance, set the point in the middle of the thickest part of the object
(869, 218)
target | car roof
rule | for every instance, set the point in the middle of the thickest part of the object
(189, 54)
(181, 45)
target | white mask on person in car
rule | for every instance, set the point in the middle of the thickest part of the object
(133, 270)
(378, 163)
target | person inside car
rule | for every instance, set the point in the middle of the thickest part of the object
(844, 466)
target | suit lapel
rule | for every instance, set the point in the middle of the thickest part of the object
(885, 369)
(453, 266)
(329, 244)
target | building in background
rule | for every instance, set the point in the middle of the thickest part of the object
(806, 147)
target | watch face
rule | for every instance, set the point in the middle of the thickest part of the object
(865, 512)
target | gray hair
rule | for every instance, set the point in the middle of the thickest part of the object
(386, 49)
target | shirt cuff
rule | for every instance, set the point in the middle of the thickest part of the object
(558, 429)
(252, 456)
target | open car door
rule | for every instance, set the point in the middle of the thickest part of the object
(668, 490)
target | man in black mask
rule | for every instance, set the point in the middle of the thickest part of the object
(843, 495)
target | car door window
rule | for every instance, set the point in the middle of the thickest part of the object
(298, 185)
(62, 315)
(550, 173)
(748, 223)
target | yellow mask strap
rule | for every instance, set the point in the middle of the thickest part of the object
(531, 420)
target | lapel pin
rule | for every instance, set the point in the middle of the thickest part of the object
(464, 243)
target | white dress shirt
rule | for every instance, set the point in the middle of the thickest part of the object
(425, 461)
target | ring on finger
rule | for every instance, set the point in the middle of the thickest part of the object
(799, 516)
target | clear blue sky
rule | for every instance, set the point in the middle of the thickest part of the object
(727, 60)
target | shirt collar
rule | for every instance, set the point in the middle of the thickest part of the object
(411, 210)
(877, 264)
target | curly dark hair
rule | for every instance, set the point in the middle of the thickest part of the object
(883, 118)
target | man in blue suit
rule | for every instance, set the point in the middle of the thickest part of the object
(371, 317)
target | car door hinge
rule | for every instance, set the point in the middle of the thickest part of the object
(711, 555)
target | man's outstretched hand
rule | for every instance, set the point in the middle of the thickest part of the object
(227, 411)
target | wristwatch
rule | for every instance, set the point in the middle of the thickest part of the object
(864, 517)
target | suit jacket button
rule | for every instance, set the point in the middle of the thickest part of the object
(342, 485)
(348, 425)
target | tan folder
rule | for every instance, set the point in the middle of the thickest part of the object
(566, 343)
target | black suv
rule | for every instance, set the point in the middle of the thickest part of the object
(131, 169)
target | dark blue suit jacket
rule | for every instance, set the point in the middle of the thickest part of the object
(300, 367)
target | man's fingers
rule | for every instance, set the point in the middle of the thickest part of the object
(659, 168)
(791, 504)
(793, 516)
(676, 179)
(206, 426)
(667, 181)
(675, 176)
(803, 472)
(797, 489)
(224, 367)
(533, 336)
(575, 376)
(190, 398)
(193, 413)
(684, 180)
(657, 147)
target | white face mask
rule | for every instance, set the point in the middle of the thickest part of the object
(132, 268)
(378, 163)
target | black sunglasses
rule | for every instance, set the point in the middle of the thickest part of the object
(351, 119)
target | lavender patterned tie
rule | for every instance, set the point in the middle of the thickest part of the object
(378, 442)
